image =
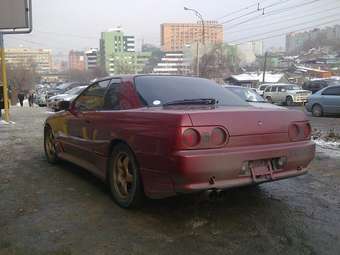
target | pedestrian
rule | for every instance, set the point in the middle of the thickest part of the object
(30, 98)
(21, 97)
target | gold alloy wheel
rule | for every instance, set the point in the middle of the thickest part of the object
(49, 145)
(122, 177)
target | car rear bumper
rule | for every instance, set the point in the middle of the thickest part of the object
(220, 169)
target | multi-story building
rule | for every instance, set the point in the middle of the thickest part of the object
(175, 36)
(76, 60)
(172, 63)
(141, 59)
(38, 59)
(296, 42)
(91, 59)
(116, 47)
(247, 52)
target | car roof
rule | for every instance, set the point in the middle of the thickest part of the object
(132, 76)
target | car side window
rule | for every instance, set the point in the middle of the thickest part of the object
(282, 89)
(274, 89)
(112, 96)
(92, 99)
(332, 91)
(267, 89)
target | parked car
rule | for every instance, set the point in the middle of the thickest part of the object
(316, 85)
(261, 89)
(251, 96)
(62, 88)
(165, 135)
(53, 102)
(287, 94)
(325, 101)
(40, 99)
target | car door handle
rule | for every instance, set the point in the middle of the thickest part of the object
(87, 121)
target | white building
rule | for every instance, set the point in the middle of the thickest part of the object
(91, 59)
(171, 63)
(247, 52)
(38, 59)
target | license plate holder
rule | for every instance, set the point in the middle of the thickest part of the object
(261, 170)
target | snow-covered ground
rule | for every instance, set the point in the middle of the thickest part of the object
(331, 148)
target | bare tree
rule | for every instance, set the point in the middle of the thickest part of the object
(219, 62)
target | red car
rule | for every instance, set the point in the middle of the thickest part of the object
(158, 136)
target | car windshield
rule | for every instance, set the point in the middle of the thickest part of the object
(292, 87)
(246, 94)
(263, 87)
(160, 90)
(75, 91)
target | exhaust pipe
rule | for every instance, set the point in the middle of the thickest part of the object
(214, 194)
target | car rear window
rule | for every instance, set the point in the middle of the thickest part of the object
(159, 90)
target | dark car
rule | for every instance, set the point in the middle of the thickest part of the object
(62, 88)
(316, 85)
(324, 102)
(164, 135)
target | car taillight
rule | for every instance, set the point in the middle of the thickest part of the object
(191, 137)
(307, 130)
(299, 131)
(218, 136)
(203, 137)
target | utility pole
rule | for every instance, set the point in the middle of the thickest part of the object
(198, 60)
(264, 67)
(4, 77)
(199, 16)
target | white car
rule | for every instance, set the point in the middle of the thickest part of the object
(261, 89)
(53, 102)
(287, 94)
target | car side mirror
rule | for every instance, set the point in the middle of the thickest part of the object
(64, 105)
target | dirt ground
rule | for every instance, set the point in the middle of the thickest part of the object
(63, 210)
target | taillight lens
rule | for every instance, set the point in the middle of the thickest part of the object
(191, 137)
(299, 131)
(294, 132)
(218, 136)
(307, 130)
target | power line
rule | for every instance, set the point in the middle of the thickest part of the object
(251, 39)
(255, 11)
(284, 21)
(273, 13)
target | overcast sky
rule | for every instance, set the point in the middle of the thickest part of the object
(76, 24)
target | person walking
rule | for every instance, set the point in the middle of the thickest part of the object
(21, 97)
(30, 98)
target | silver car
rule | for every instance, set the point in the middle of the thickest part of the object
(324, 102)
(287, 94)
(53, 102)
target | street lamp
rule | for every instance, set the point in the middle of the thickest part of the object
(200, 17)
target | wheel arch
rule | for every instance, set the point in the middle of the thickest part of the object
(113, 144)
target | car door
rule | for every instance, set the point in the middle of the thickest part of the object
(331, 100)
(78, 123)
(281, 94)
(274, 94)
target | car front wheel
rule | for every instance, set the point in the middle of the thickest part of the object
(289, 101)
(124, 179)
(317, 110)
(269, 99)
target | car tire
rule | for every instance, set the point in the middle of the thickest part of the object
(289, 101)
(317, 110)
(124, 178)
(49, 146)
(269, 99)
